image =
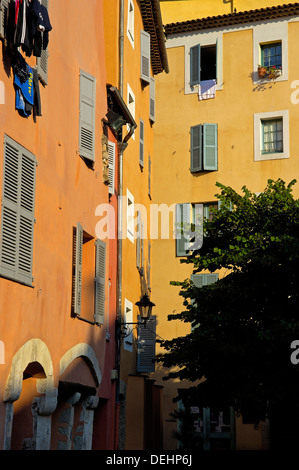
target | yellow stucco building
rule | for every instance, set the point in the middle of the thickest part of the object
(218, 121)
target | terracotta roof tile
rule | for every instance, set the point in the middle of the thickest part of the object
(242, 17)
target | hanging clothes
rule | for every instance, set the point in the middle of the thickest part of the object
(39, 27)
(17, 23)
(26, 86)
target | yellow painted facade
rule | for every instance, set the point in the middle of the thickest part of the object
(238, 108)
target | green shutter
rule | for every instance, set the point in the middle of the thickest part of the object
(183, 216)
(17, 217)
(111, 167)
(210, 147)
(195, 65)
(87, 116)
(141, 143)
(78, 269)
(99, 316)
(3, 17)
(145, 55)
(196, 148)
(42, 61)
(152, 99)
(146, 345)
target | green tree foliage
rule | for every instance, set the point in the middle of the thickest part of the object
(238, 351)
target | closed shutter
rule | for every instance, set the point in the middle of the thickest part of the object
(141, 143)
(87, 116)
(183, 220)
(145, 40)
(146, 345)
(17, 218)
(99, 316)
(210, 147)
(201, 280)
(42, 61)
(3, 17)
(196, 148)
(111, 167)
(78, 269)
(195, 65)
(152, 99)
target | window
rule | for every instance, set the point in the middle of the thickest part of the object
(201, 280)
(130, 217)
(131, 105)
(146, 345)
(111, 167)
(271, 55)
(152, 100)
(145, 62)
(130, 23)
(204, 148)
(183, 223)
(141, 143)
(128, 318)
(87, 116)
(89, 267)
(271, 135)
(17, 216)
(203, 63)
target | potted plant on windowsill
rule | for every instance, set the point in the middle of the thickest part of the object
(261, 71)
(271, 71)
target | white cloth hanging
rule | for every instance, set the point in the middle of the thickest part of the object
(207, 89)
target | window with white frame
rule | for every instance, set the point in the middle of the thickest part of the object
(130, 217)
(131, 105)
(271, 135)
(130, 22)
(128, 320)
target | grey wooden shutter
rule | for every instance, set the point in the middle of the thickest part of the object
(3, 17)
(42, 61)
(145, 40)
(100, 282)
(152, 99)
(146, 345)
(183, 217)
(196, 148)
(141, 143)
(78, 269)
(17, 217)
(111, 168)
(201, 280)
(210, 147)
(195, 65)
(87, 116)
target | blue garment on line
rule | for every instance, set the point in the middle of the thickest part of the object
(24, 93)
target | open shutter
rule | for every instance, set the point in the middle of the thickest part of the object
(152, 99)
(183, 216)
(195, 65)
(87, 116)
(111, 167)
(42, 61)
(146, 345)
(210, 147)
(196, 148)
(78, 269)
(99, 316)
(145, 40)
(141, 143)
(17, 218)
(3, 17)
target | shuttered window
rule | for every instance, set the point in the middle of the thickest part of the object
(183, 221)
(152, 99)
(87, 116)
(3, 17)
(17, 217)
(195, 65)
(204, 148)
(111, 167)
(128, 331)
(201, 280)
(141, 143)
(146, 345)
(42, 61)
(145, 56)
(100, 271)
(78, 261)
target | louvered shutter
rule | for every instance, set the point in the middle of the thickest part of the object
(183, 216)
(42, 61)
(195, 65)
(141, 143)
(201, 280)
(196, 148)
(146, 345)
(78, 269)
(152, 99)
(210, 147)
(111, 167)
(100, 282)
(87, 116)
(17, 218)
(3, 17)
(145, 40)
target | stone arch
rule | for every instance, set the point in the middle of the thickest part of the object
(86, 352)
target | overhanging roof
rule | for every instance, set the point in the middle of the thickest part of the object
(242, 17)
